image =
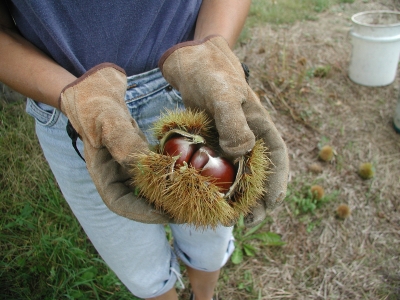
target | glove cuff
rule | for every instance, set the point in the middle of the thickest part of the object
(86, 75)
(186, 44)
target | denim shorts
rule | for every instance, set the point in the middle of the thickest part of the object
(139, 254)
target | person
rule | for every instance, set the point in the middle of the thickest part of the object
(105, 70)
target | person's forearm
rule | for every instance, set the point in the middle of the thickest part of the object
(222, 17)
(26, 69)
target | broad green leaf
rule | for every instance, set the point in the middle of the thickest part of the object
(237, 256)
(255, 228)
(263, 236)
(240, 222)
(274, 239)
(249, 250)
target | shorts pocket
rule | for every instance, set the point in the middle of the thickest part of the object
(44, 114)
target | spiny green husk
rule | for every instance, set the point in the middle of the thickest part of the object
(189, 197)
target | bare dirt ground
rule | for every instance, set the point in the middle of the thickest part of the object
(325, 257)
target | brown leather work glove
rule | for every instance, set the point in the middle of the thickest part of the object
(95, 106)
(210, 77)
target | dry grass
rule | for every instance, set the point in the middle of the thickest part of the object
(300, 73)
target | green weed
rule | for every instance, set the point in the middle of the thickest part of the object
(244, 240)
(303, 201)
(247, 283)
(321, 71)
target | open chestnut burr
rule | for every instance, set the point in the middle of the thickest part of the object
(189, 177)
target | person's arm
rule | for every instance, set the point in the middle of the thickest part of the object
(222, 17)
(210, 77)
(25, 68)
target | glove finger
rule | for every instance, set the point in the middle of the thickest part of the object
(256, 216)
(122, 137)
(235, 136)
(109, 178)
(261, 124)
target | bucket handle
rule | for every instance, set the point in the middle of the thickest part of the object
(376, 39)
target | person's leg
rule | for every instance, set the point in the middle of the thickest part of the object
(170, 295)
(203, 283)
(138, 253)
(204, 251)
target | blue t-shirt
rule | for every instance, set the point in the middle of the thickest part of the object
(79, 34)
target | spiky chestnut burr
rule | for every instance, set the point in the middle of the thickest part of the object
(315, 168)
(181, 190)
(326, 153)
(254, 170)
(317, 192)
(194, 123)
(343, 211)
(366, 170)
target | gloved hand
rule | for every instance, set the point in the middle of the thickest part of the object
(210, 77)
(94, 104)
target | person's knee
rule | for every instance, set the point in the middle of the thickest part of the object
(149, 286)
(212, 264)
(205, 251)
(206, 261)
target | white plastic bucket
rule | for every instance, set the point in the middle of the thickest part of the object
(376, 47)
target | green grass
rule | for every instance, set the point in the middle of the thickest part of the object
(288, 11)
(302, 201)
(278, 12)
(44, 252)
